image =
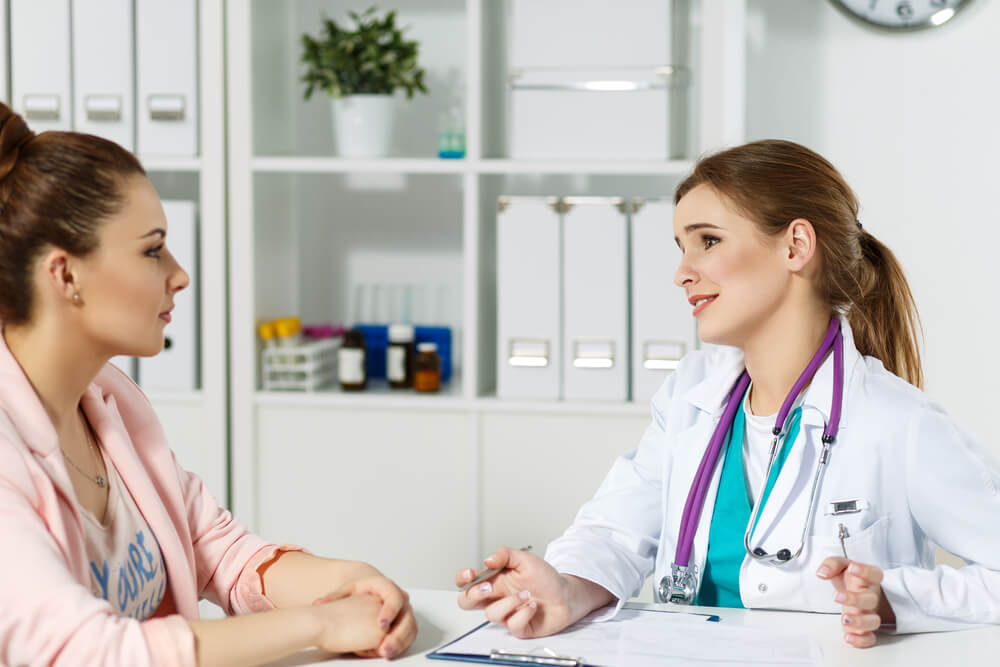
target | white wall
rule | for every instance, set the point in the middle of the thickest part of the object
(911, 120)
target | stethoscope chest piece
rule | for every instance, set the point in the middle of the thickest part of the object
(679, 586)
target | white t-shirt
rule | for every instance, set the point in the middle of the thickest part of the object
(757, 437)
(126, 565)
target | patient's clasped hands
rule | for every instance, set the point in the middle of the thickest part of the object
(370, 616)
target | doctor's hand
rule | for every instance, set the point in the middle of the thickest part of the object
(859, 591)
(529, 596)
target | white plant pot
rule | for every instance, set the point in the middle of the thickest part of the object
(362, 125)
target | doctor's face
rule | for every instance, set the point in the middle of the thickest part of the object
(732, 274)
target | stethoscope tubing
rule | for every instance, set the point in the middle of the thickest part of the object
(699, 489)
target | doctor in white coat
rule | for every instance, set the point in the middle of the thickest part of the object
(773, 258)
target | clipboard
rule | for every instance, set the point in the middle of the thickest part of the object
(536, 655)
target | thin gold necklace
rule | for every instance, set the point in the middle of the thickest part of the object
(99, 479)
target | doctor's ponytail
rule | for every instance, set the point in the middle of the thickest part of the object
(774, 182)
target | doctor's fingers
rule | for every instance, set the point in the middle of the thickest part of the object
(499, 611)
(857, 621)
(866, 599)
(871, 575)
(831, 567)
(479, 596)
(518, 622)
(863, 640)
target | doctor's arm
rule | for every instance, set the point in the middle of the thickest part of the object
(953, 488)
(604, 556)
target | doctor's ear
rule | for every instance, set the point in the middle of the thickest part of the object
(60, 275)
(800, 241)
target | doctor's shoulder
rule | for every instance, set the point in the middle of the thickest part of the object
(902, 413)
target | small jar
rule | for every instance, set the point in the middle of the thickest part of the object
(352, 360)
(427, 368)
(399, 356)
(289, 330)
(267, 333)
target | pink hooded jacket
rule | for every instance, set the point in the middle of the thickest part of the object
(48, 615)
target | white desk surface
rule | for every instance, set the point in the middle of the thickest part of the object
(440, 621)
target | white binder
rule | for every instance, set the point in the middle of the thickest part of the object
(103, 91)
(663, 329)
(166, 72)
(176, 367)
(41, 88)
(595, 299)
(528, 297)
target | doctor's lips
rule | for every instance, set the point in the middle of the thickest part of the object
(165, 315)
(701, 301)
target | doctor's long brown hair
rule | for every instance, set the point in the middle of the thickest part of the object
(773, 182)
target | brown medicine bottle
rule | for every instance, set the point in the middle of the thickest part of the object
(352, 361)
(427, 368)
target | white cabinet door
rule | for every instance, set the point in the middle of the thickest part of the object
(395, 488)
(538, 469)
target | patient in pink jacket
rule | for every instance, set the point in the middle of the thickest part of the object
(107, 543)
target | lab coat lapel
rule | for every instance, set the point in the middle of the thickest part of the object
(107, 422)
(709, 397)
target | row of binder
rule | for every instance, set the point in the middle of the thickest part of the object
(176, 367)
(122, 69)
(586, 304)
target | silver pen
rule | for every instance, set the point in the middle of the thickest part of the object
(487, 574)
(843, 535)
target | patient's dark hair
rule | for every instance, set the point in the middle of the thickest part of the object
(55, 190)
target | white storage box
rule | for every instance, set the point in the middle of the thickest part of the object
(305, 367)
(591, 114)
(589, 79)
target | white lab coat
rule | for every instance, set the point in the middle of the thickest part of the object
(926, 483)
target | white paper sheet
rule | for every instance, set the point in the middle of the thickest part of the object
(648, 638)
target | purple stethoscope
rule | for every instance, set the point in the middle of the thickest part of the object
(680, 585)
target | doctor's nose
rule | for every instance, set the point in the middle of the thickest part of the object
(684, 275)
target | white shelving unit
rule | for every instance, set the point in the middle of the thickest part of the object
(196, 422)
(418, 485)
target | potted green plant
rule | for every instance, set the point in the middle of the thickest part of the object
(360, 67)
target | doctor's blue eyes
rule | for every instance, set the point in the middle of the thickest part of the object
(708, 241)
(154, 252)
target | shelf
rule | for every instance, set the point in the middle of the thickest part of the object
(501, 166)
(498, 405)
(381, 397)
(165, 163)
(378, 395)
(334, 165)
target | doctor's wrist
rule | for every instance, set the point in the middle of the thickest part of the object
(583, 596)
(885, 612)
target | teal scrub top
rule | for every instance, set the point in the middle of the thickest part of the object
(720, 584)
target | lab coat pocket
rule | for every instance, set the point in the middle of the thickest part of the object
(868, 546)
